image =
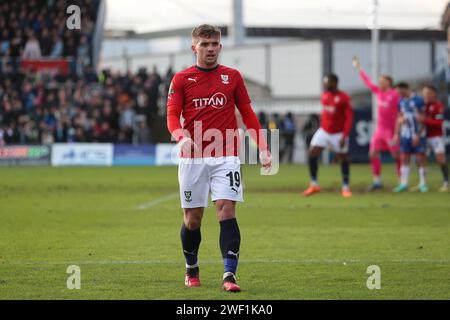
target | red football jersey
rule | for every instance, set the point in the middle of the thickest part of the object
(434, 118)
(337, 113)
(210, 96)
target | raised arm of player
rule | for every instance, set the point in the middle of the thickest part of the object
(365, 78)
(372, 86)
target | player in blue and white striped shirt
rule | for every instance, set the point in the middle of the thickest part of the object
(412, 135)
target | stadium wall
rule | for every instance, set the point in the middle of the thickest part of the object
(294, 68)
(289, 68)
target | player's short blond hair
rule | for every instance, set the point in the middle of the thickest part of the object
(205, 31)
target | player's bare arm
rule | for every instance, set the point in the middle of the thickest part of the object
(400, 121)
(421, 131)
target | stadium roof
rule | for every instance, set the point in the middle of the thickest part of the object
(304, 33)
(153, 15)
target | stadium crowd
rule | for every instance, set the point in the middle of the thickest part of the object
(42, 108)
(111, 107)
(37, 28)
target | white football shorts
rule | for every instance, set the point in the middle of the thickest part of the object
(436, 144)
(198, 176)
(329, 140)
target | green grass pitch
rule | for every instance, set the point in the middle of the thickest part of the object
(121, 227)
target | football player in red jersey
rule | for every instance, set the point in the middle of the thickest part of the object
(434, 119)
(335, 125)
(206, 95)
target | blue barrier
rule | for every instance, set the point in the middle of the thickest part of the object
(130, 155)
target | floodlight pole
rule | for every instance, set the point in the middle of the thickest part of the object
(237, 29)
(375, 56)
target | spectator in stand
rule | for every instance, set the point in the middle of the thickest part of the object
(46, 42)
(11, 135)
(70, 47)
(153, 85)
(35, 109)
(110, 116)
(311, 125)
(288, 131)
(58, 47)
(61, 131)
(262, 117)
(16, 44)
(32, 49)
(143, 133)
(47, 137)
(126, 121)
(5, 43)
(44, 19)
(83, 56)
(89, 75)
(31, 133)
(80, 136)
(2, 141)
(168, 80)
(107, 134)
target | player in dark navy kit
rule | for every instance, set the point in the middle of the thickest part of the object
(412, 136)
(206, 96)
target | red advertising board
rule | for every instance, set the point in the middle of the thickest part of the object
(46, 66)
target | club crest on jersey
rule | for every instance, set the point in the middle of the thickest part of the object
(225, 79)
(188, 196)
(217, 101)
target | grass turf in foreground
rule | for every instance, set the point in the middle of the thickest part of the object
(292, 247)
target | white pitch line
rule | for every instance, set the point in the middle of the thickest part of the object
(155, 202)
(212, 262)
